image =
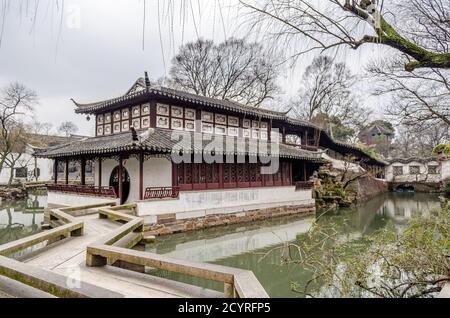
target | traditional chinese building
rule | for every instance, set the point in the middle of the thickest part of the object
(183, 155)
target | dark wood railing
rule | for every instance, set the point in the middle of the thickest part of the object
(304, 185)
(161, 192)
(105, 191)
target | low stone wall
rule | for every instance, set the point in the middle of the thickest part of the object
(67, 199)
(169, 224)
(369, 187)
(198, 204)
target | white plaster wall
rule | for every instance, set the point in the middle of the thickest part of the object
(445, 170)
(68, 199)
(192, 204)
(45, 166)
(423, 176)
(342, 165)
(157, 173)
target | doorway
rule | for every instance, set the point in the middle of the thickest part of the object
(114, 182)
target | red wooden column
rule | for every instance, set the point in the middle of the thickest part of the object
(141, 176)
(120, 179)
(67, 171)
(221, 175)
(55, 171)
(304, 171)
(99, 172)
(83, 171)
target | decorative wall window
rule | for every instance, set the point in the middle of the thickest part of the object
(125, 113)
(264, 125)
(233, 131)
(414, 169)
(246, 123)
(116, 128)
(177, 124)
(221, 130)
(189, 125)
(116, 116)
(433, 169)
(255, 133)
(207, 116)
(100, 130)
(177, 111)
(189, 113)
(233, 121)
(162, 122)
(21, 172)
(397, 170)
(125, 126)
(100, 119)
(255, 124)
(263, 135)
(207, 128)
(162, 109)
(136, 111)
(107, 130)
(145, 122)
(246, 133)
(221, 119)
(107, 118)
(145, 109)
(136, 123)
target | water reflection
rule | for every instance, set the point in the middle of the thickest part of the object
(21, 218)
(243, 246)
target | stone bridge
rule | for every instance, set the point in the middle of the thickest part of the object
(96, 251)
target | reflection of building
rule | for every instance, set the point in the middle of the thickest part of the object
(214, 248)
(401, 207)
(180, 155)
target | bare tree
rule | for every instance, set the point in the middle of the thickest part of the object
(15, 102)
(233, 70)
(418, 96)
(326, 97)
(420, 139)
(67, 128)
(417, 28)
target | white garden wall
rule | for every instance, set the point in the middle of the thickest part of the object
(192, 204)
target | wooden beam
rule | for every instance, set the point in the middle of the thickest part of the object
(141, 176)
(99, 172)
(83, 171)
(120, 172)
(67, 171)
(55, 171)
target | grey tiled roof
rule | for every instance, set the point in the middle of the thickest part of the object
(163, 141)
(177, 95)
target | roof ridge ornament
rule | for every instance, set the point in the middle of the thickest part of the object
(147, 81)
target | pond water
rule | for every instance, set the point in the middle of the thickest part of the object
(21, 218)
(247, 246)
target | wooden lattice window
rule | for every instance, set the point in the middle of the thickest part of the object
(433, 169)
(21, 172)
(397, 171)
(414, 170)
(181, 173)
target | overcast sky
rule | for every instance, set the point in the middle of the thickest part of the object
(98, 48)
